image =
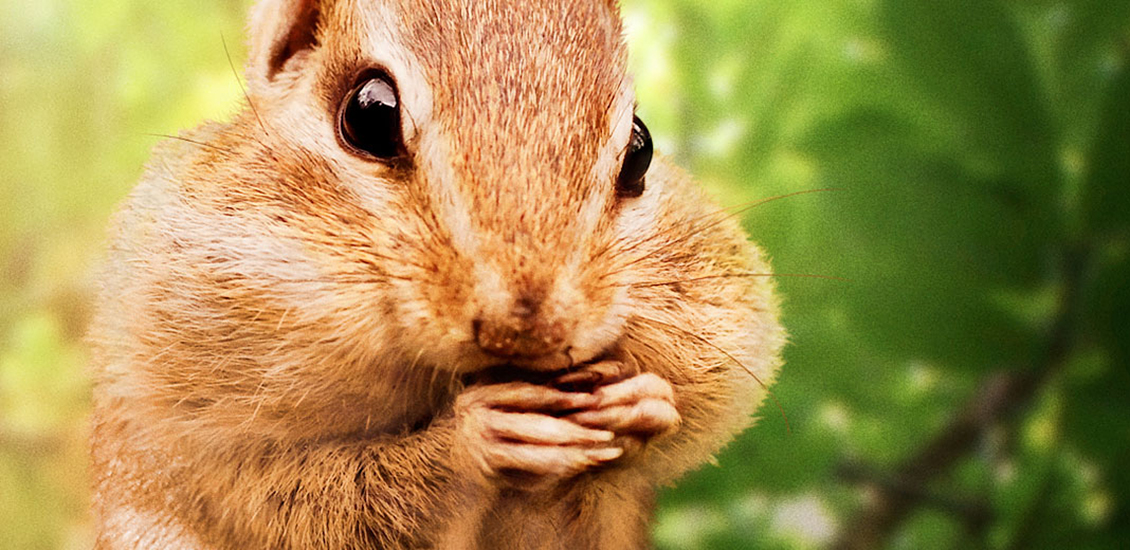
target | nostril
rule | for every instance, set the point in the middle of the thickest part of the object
(522, 340)
(526, 307)
(495, 339)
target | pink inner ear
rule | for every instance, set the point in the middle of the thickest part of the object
(301, 34)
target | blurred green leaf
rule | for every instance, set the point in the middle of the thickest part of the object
(1106, 188)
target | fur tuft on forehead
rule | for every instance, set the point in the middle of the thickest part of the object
(516, 52)
(546, 69)
(526, 91)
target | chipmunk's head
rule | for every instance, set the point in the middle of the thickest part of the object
(463, 172)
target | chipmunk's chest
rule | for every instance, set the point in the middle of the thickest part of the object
(591, 515)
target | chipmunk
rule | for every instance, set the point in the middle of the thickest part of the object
(429, 289)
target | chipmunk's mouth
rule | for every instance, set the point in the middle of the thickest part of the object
(539, 373)
(508, 372)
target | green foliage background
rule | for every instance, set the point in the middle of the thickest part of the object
(981, 152)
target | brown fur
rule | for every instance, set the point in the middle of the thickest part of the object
(284, 328)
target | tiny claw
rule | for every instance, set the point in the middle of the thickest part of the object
(590, 377)
(605, 454)
(580, 381)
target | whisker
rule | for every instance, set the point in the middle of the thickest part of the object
(192, 141)
(706, 341)
(721, 214)
(757, 202)
(431, 382)
(348, 280)
(242, 88)
(736, 275)
(371, 254)
(622, 246)
(746, 207)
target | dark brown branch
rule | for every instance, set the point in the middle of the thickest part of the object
(975, 514)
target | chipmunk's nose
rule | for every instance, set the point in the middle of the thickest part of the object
(523, 333)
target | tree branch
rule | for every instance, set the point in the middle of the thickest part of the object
(975, 514)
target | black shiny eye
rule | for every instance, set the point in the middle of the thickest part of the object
(637, 159)
(370, 117)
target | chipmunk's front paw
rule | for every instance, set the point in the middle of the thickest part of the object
(509, 432)
(635, 408)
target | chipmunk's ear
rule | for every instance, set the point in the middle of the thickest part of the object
(281, 31)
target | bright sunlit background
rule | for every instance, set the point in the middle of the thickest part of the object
(964, 386)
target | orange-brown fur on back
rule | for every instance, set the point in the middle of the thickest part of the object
(287, 342)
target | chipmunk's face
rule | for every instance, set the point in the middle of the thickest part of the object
(479, 171)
